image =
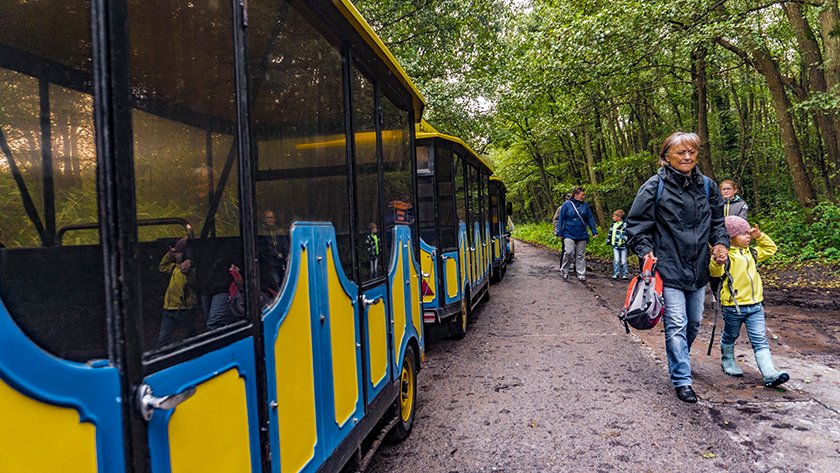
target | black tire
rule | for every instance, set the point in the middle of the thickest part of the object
(406, 403)
(458, 326)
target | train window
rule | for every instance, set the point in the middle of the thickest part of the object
(474, 209)
(51, 267)
(460, 189)
(369, 242)
(396, 160)
(426, 215)
(185, 158)
(494, 209)
(298, 122)
(446, 199)
(425, 160)
(482, 198)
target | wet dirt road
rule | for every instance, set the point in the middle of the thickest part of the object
(547, 380)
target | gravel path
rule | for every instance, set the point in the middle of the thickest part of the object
(547, 380)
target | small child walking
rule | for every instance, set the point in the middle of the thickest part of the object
(741, 299)
(617, 238)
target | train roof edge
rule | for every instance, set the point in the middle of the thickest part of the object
(352, 14)
(425, 130)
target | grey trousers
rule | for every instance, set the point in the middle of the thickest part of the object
(577, 250)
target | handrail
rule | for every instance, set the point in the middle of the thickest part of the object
(140, 223)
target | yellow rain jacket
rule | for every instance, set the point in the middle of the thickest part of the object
(745, 279)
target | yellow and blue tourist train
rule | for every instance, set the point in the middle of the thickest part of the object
(209, 243)
(500, 240)
(459, 213)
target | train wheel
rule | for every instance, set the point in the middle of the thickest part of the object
(458, 326)
(407, 401)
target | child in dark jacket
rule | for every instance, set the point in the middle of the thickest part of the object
(741, 299)
(617, 238)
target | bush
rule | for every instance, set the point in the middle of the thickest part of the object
(797, 239)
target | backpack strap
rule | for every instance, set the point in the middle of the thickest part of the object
(729, 283)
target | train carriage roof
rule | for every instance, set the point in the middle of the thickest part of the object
(424, 130)
(27, 48)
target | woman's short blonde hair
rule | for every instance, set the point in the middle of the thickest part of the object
(677, 138)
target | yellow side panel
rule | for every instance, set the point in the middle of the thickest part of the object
(343, 341)
(415, 295)
(378, 336)
(398, 303)
(497, 247)
(451, 277)
(209, 431)
(427, 267)
(39, 437)
(296, 379)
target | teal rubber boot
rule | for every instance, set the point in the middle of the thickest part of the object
(727, 360)
(772, 378)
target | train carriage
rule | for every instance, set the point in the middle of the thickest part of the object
(500, 241)
(455, 228)
(209, 256)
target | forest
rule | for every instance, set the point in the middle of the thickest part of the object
(559, 93)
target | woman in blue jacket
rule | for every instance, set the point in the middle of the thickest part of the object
(574, 216)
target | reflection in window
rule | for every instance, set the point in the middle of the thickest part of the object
(298, 122)
(185, 159)
(51, 268)
(396, 158)
(369, 243)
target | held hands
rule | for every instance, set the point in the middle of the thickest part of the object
(755, 233)
(719, 254)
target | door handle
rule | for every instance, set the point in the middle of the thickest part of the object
(375, 300)
(148, 402)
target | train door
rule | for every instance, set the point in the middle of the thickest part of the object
(197, 379)
(461, 197)
(474, 225)
(59, 386)
(371, 253)
(448, 224)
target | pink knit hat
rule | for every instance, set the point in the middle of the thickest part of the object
(736, 226)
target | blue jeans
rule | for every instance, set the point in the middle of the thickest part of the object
(753, 317)
(619, 262)
(683, 313)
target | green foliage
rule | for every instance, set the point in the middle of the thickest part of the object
(543, 234)
(798, 240)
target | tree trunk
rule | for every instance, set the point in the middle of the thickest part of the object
(698, 70)
(593, 178)
(769, 68)
(782, 105)
(816, 82)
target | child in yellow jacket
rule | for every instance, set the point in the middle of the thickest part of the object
(741, 299)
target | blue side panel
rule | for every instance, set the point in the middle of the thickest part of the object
(238, 356)
(377, 295)
(415, 331)
(446, 256)
(93, 391)
(402, 240)
(317, 239)
(325, 240)
(464, 247)
(435, 303)
(477, 260)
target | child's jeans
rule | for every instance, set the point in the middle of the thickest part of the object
(619, 262)
(752, 316)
